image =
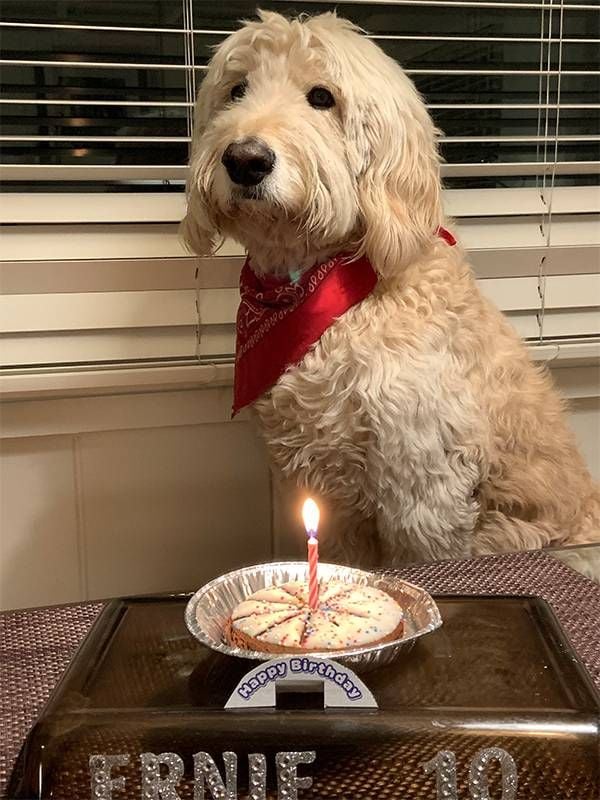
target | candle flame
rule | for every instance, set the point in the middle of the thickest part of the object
(310, 515)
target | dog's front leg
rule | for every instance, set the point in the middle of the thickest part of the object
(434, 518)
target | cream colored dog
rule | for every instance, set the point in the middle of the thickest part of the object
(418, 416)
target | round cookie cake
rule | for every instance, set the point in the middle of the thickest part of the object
(278, 619)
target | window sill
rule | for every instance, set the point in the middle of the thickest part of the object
(81, 382)
(161, 377)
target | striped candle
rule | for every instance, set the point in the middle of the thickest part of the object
(310, 515)
(313, 568)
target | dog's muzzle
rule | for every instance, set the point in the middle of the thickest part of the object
(248, 162)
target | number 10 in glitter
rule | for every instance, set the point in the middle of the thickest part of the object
(444, 767)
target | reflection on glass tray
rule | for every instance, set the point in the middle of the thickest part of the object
(499, 673)
(584, 559)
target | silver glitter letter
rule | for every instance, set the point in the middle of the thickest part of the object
(205, 770)
(101, 782)
(444, 766)
(257, 771)
(153, 786)
(478, 779)
(288, 781)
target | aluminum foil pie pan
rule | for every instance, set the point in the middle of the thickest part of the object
(210, 607)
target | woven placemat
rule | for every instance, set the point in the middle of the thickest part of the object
(36, 645)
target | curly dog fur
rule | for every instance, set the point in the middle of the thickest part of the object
(418, 417)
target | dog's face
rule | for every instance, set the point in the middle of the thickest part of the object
(308, 138)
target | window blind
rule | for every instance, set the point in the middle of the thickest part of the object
(96, 104)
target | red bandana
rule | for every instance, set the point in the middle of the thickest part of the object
(278, 321)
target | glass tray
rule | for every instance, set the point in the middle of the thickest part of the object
(499, 673)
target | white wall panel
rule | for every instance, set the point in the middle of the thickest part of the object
(39, 549)
(168, 509)
(129, 511)
(585, 421)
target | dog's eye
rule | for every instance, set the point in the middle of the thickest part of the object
(319, 97)
(239, 90)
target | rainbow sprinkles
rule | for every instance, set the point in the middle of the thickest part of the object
(348, 616)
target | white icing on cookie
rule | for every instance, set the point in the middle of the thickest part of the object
(288, 633)
(257, 607)
(276, 594)
(348, 616)
(258, 624)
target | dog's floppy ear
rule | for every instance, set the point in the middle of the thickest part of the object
(197, 229)
(399, 184)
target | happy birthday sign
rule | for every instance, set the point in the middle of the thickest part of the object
(341, 687)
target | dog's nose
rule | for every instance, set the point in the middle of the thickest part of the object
(248, 162)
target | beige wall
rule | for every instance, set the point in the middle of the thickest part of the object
(172, 495)
(150, 492)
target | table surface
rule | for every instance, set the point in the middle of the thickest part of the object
(36, 645)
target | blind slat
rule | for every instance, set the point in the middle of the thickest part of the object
(97, 310)
(82, 311)
(447, 71)
(84, 137)
(221, 272)
(109, 172)
(22, 101)
(443, 139)
(375, 36)
(521, 294)
(470, 4)
(151, 240)
(112, 346)
(46, 207)
(175, 104)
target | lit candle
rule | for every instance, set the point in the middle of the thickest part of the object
(310, 515)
